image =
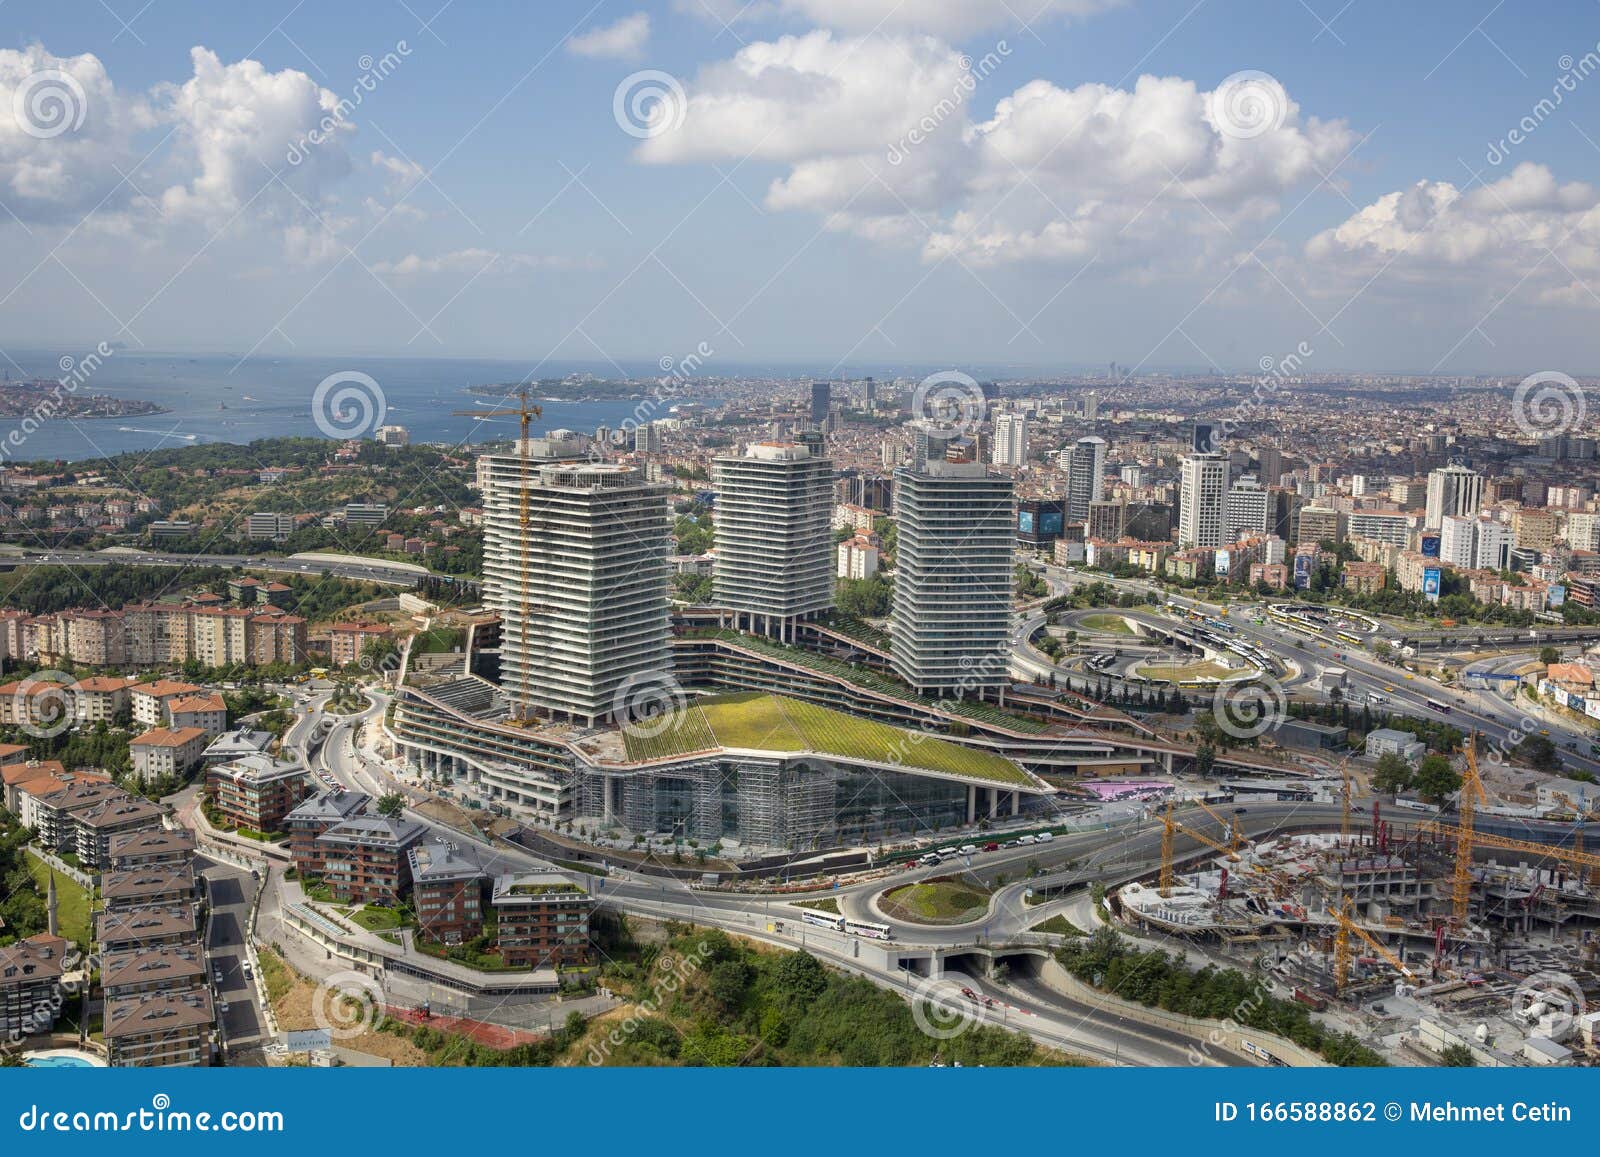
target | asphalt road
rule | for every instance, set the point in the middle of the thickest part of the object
(231, 891)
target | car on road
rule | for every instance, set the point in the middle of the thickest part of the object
(1045, 837)
(991, 847)
(222, 1006)
(1025, 839)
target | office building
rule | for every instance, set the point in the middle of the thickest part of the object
(821, 402)
(952, 597)
(1203, 485)
(1453, 490)
(1247, 508)
(1086, 475)
(774, 537)
(583, 594)
(268, 526)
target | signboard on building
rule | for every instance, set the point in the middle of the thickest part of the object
(1430, 546)
(1430, 583)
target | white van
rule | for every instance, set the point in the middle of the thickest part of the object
(1045, 837)
(947, 853)
(1024, 839)
(969, 849)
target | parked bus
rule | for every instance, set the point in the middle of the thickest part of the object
(1353, 640)
(823, 920)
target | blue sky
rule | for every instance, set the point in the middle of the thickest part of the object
(1078, 192)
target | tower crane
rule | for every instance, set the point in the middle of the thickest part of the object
(1229, 826)
(1468, 798)
(1169, 829)
(525, 413)
(1341, 947)
(1574, 855)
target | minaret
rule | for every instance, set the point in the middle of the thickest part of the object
(50, 904)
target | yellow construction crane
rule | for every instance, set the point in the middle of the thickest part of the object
(1574, 855)
(1229, 827)
(1341, 947)
(1170, 828)
(525, 412)
(1468, 798)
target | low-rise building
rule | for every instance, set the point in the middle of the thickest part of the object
(94, 828)
(207, 713)
(139, 928)
(313, 816)
(1364, 577)
(543, 920)
(150, 848)
(150, 700)
(236, 744)
(346, 641)
(1389, 741)
(30, 982)
(164, 751)
(256, 791)
(366, 859)
(101, 698)
(164, 1029)
(447, 883)
(171, 968)
(167, 884)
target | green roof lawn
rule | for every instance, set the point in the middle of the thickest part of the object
(760, 722)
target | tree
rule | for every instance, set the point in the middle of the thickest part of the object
(1205, 757)
(391, 804)
(1548, 655)
(1435, 778)
(800, 978)
(1457, 1057)
(1392, 775)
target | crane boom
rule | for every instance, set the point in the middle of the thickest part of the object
(1169, 829)
(1341, 947)
(1467, 800)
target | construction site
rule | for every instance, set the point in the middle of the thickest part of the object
(1419, 935)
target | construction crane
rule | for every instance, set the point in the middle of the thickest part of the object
(525, 413)
(1467, 800)
(1169, 829)
(1229, 826)
(1575, 856)
(1341, 947)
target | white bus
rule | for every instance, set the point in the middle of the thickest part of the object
(823, 920)
(869, 930)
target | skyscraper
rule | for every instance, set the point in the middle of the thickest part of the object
(1011, 439)
(1086, 476)
(821, 402)
(1091, 405)
(1200, 502)
(582, 594)
(774, 536)
(1455, 489)
(953, 578)
(1270, 459)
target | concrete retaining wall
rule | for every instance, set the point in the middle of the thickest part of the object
(1214, 1035)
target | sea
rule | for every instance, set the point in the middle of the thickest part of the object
(213, 398)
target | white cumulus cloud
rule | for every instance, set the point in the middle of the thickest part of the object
(624, 40)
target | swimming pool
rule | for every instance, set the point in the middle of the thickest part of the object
(63, 1059)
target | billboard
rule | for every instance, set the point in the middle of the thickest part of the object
(1051, 522)
(1025, 521)
(1555, 595)
(1430, 582)
(1430, 546)
(1303, 565)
